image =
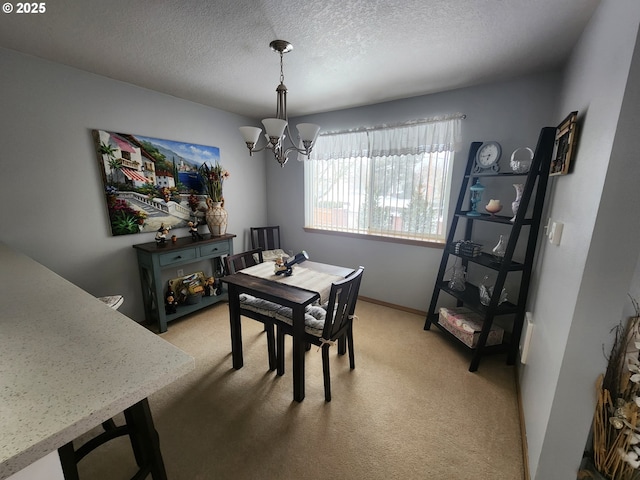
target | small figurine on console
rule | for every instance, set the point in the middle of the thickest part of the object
(209, 287)
(193, 229)
(161, 235)
(170, 302)
(218, 286)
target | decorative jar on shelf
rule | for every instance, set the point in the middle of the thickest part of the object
(458, 277)
(493, 207)
(515, 205)
(486, 292)
(499, 250)
(521, 159)
(475, 196)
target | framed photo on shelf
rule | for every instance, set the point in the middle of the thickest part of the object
(565, 145)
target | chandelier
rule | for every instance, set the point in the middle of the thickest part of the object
(276, 127)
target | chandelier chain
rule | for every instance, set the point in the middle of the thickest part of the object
(281, 68)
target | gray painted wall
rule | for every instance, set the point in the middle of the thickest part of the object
(53, 206)
(581, 288)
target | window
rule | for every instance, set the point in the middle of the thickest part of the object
(386, 181)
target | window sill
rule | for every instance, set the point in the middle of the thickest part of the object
(378, 238)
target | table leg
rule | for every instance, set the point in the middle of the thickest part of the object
(236, 329)
(298, 353)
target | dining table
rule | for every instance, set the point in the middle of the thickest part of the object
(310, 282)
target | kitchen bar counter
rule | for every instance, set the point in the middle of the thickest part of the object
(68, 362)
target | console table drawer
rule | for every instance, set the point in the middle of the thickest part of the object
(170, 258)
(221, 248)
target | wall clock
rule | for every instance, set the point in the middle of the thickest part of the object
(487, 158)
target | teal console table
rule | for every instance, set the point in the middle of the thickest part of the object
(153, 259)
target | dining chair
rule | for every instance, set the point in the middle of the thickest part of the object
(268, 239)
(252, 307)
(239, 261)
(325, 325)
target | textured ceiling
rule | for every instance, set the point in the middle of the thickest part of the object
(346, 52)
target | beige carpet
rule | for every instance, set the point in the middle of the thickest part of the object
(410, 409)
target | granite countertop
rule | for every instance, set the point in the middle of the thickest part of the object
(68, 362)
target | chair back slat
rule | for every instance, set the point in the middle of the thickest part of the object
(267, 238)
(342, 305)
(237, 262)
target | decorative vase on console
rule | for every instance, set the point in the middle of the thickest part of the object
(215, 215)
(515, 205)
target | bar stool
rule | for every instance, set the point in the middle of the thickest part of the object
(138, 426)
(113, 301)
(144, 438)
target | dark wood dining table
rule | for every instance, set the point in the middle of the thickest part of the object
(283, 294)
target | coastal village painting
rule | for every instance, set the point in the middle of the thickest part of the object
(150, 183)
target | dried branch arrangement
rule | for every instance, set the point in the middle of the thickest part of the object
(616, 423)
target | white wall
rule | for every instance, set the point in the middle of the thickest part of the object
(53, 206)
(512, 113)
(581, 287)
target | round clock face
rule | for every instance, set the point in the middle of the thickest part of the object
(488, 154)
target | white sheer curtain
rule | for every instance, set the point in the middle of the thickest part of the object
(341, 145)
(437, 134)
(387, 180)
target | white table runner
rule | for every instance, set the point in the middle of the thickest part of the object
(302, 277)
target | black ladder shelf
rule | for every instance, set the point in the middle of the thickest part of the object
(536, 180)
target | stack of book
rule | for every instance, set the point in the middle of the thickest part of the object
(466, 247)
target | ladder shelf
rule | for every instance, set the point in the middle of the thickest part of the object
(535, 184)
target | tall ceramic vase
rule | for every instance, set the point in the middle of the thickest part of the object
(216, 217)
(515, 205)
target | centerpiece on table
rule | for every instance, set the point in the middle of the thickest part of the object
(616, 422)
(213, 178)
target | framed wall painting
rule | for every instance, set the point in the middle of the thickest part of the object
(150, 183)
(565, 145)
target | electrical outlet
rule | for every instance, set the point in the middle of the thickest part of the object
(180, 273)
